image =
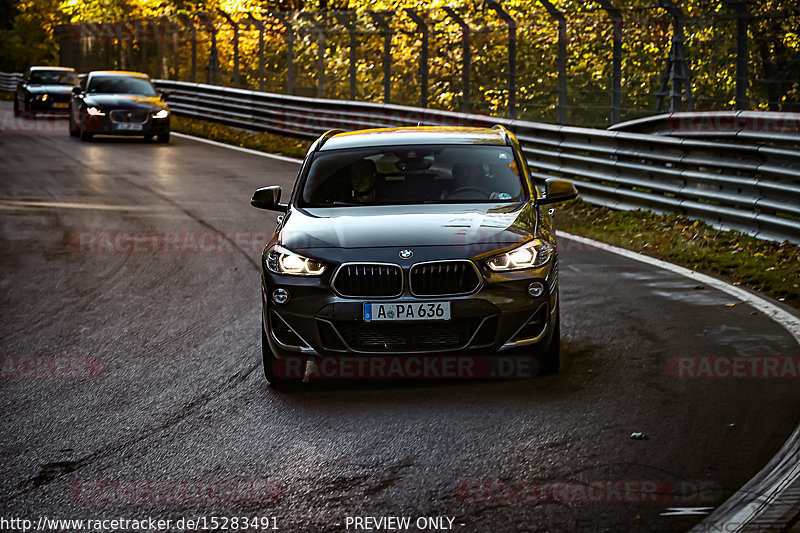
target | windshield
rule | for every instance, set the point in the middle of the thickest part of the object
(121, 85)
(413, 175)
(52, 77)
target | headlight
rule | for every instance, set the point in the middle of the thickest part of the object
(161, 113)
(532, 254)
(95, 112)
(283, 261)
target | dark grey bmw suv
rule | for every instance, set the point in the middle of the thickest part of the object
(410, 243)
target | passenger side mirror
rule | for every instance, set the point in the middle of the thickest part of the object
(77, 90)
(557, 190)
(268, 198)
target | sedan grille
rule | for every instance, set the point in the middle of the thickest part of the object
(443, 278)
(369, 280)
(129, 116)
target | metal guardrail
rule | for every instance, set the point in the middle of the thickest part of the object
(761, 127)
(754, 189)
(9, 81)
(751, 188)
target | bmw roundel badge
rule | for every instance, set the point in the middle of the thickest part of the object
(405, 254)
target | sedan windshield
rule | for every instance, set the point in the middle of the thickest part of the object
(413, 175)
(121, 85)
(52, 77)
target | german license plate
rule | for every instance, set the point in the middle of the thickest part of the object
(129, 126)
(384, 311)
(60, 105)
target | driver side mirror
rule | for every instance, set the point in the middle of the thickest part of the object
(268, 198)
(165, 94)
(558, 190)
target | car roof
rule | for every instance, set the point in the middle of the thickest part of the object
(413, 136)
(126, 73)
(66, 69)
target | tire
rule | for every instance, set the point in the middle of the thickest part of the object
(74, 131)
(163, 138)
(550, 358)
(269, 359)
(85, 137)
(17, 112)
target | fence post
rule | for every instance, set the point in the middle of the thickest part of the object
(512, 56)
(742, 20)
(347, 19)
(561, 112)
(422, 27)
(319, 32)
(616, 59)
(189, 22)
(159, 27)
(251, 20)
(289, 38)
(380, 21)
(676, 72)
(235, 28)
(466, 52)
(213, 54)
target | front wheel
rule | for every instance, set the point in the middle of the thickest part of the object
(550, 358)
(163, 138)
(85, 137)
(73, 127)
(17, 112)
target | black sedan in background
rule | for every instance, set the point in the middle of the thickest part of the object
(118, 103)
(45, 90)
(411, 242)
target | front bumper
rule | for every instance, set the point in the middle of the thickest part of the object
(55, 104)
(105, 125)
(500, 315)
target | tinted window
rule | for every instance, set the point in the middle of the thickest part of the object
(413, 174)
(52, 77)
(121, 85)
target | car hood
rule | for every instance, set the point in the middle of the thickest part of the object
(50, 89)
(124, 101)
(480, 227)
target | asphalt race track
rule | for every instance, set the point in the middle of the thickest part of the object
(131, 382)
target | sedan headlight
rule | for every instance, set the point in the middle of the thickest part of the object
(161, 113)
(283, 261)
(94, 112)
(532, 254)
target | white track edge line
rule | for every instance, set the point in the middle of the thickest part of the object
(774, 478)
(239, 148)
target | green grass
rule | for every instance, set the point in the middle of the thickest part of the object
(265, 142)
(765, 266)
(768, 267)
